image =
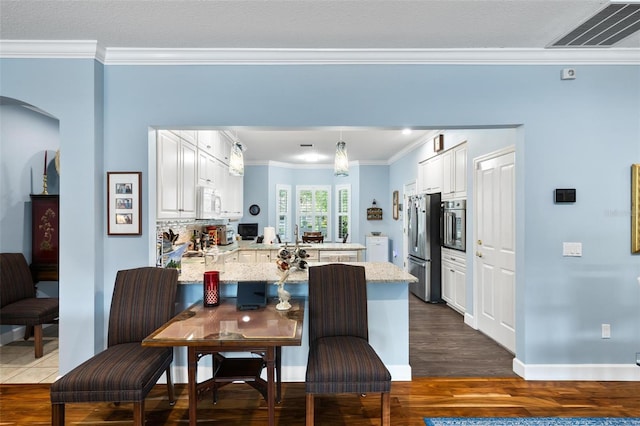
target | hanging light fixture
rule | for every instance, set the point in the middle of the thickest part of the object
(236, 159)
(341, 162)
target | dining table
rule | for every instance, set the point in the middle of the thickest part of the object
(225, 328)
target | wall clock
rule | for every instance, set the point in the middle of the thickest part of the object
(254, 209)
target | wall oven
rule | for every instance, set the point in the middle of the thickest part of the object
(454, 224)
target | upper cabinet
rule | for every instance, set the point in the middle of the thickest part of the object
(231, 189)
(430, 175)
(176, 176)
(454, 167)
(187, 159)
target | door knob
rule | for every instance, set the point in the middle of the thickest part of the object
(479, 242)
(478, 254)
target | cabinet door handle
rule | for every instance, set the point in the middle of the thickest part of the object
(478, 254)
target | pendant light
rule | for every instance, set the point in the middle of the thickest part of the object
(236, 159)
(341, 162)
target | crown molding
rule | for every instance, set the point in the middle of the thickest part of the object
(309, 166)
(121, 56)
(52, 49)
(232, 56)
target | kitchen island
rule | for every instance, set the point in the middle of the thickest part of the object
(388, 306)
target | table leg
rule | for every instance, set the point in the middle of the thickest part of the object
(279, 374)
(271, 384)
(192, 361)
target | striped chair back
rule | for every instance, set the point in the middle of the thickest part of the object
(337, 301)
(16, 282)
(143, 300)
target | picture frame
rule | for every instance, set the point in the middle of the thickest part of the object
(124, 203)
(635, 208)
(396, 204)
(438, 143)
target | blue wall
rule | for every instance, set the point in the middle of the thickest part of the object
(581, 133)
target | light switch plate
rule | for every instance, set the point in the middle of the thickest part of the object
(572, 249)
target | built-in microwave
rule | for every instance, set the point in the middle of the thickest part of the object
(208, 203)
(454, 224)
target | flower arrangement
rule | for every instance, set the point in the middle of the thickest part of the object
(289, 260)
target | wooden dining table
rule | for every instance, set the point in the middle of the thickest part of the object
(224, 328)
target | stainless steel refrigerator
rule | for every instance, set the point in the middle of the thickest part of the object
(424, 246)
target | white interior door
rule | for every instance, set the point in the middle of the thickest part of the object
(408, 190)
(494, 246)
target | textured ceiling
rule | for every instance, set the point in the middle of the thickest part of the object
(434, 24)
(304, 24)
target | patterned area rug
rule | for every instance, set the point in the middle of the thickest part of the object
(532, 421)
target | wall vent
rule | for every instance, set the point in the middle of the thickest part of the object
(607, 27)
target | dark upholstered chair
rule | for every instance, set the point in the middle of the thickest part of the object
(312, 237)
(143, 300)
(340, 357)
(18, 302)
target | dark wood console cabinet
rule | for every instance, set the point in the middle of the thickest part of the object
(45, 232)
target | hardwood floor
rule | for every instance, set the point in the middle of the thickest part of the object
(457, 372)
(410, 402)
(442, 345)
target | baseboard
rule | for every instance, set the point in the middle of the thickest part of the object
(16, 333)
(399, 373)
(594, 372)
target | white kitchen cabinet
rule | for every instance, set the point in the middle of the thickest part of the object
(234, 197)
(230, 189)
(190, 136)
(176, 177)
(430, 175)
(338, 256)
(223, 148)
(377, 248)
(208, 141)
(454, 287)
(231, 257)
(247, 256)
(266, 255)
(206, 169)
(454, 180)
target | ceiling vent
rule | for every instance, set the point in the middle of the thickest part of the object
(605, 28)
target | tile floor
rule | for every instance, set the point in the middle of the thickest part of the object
(18, 364)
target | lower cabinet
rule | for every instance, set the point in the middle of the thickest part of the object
(338, 256)
(247, 256)
(454, 287)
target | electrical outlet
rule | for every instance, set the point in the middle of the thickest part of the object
(606, 331)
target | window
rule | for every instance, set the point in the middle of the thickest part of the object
(283, 212)
(314, 209)
(343, 213)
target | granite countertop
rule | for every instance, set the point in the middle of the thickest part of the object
(251, 245)
(322, 246)
(193, 272)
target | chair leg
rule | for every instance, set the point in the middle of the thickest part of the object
(172, 398)
(138, 413)
(28, 331)
(57, 414)
(37, 338)
(386, 409)
(310, 404)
